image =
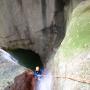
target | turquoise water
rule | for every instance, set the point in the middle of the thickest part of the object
(26, 58)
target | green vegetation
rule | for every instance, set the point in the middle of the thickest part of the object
(78, 32)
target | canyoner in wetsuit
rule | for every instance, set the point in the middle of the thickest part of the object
(38, 73)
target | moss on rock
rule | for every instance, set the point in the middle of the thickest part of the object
(72, 60)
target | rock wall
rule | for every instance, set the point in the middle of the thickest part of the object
(32, 24)
(71, 64)
(40, 25)
(24, 81)
(8, 70)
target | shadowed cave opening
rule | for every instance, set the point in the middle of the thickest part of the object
(27, 58)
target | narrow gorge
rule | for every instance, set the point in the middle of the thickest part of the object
(52, 34)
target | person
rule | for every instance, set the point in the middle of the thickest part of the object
(38, 73)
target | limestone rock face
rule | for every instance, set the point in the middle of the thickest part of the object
(25, 81)
(8, 70)
(31, 24)
(72, 60)
(39, 25)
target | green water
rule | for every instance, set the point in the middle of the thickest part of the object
(26, 58)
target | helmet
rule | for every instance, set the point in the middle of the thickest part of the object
(37, 68)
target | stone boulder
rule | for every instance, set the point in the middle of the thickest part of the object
(25, 81)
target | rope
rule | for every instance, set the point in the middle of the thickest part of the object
(78, 80)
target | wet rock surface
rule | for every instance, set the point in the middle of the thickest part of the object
(72, 60)
(25, 81)
(40, 25)
(8, 70)
(32, 24)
